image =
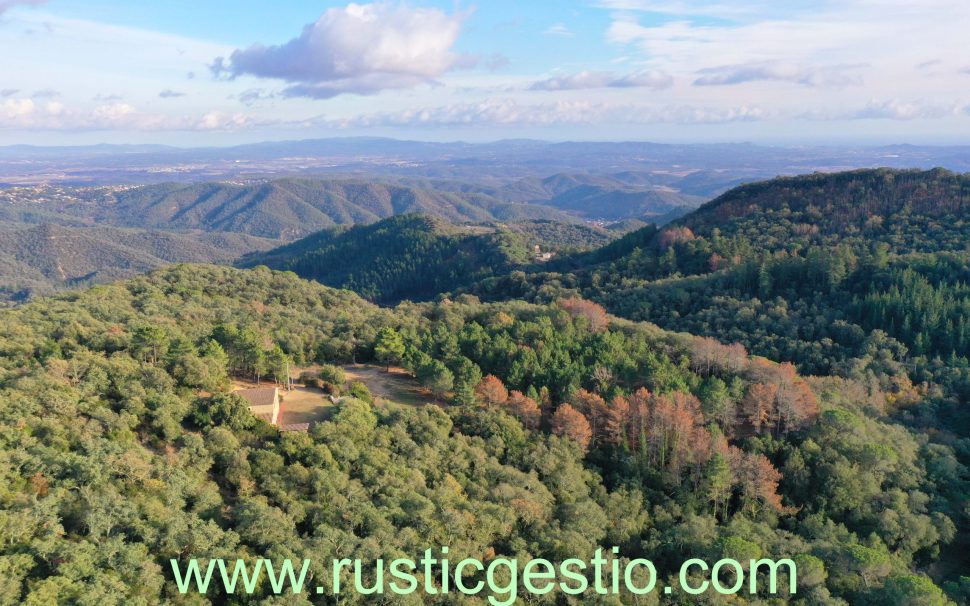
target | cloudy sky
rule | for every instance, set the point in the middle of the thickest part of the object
(217, 72)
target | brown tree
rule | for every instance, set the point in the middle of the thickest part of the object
(594, 314)
(639, 417)
(675, 235)
(758, 405)
(674, 432)
(570, 423)
(616, 421)
(795, 406)
(758, 480)
(524, 408)
(594, 408)
(491, 391)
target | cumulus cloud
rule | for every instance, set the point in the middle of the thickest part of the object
(170, 94)
(361, 49)
(6, 5)
(831, 76)
(587, 80)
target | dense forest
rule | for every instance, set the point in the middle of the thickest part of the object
(416, 257)
(561, 429)
(780, 374)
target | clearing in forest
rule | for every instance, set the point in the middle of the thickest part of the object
(395, 386)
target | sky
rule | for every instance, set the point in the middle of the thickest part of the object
(221, 72)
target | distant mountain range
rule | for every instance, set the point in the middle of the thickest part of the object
(906, 211)
(701, 170)
(287, 209)
(94, 234)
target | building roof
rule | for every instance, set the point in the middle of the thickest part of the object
(259, 396)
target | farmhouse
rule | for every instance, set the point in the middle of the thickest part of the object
(264, 402)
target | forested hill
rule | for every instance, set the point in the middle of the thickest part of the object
(43, 258)
(284, 209)
(560, 430)
(291, 208)
(406, 257)
(856, 274)
(887, 205)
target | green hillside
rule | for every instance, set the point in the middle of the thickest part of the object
(848, 274)
(405, 257)
(802, 390)
(121, 448)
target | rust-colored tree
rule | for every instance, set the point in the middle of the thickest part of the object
(796, 406)
(491, 391)
(594, 314)
(758, 406)
(758, 481)
(594, 408)
(570, 423)
(616, 420)
(524, 408)
(675, 235)
(673, 433)
(639, 417)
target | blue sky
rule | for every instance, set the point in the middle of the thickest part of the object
(217, 72)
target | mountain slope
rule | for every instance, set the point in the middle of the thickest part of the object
(403, 257)
(121, 442)
(40, 259)
(837, 273)
(282, 209)
(924, 210)
(590, 196)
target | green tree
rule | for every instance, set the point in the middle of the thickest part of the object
(389, 348)
(149, 342)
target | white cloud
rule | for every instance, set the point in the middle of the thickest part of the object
(16, 109)
(559, 29)
(898, 109)
(654, 79)
(6, 5)
(26, 114)
(826, 76)
(895, 52)
(505, 112)
(360, 49)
